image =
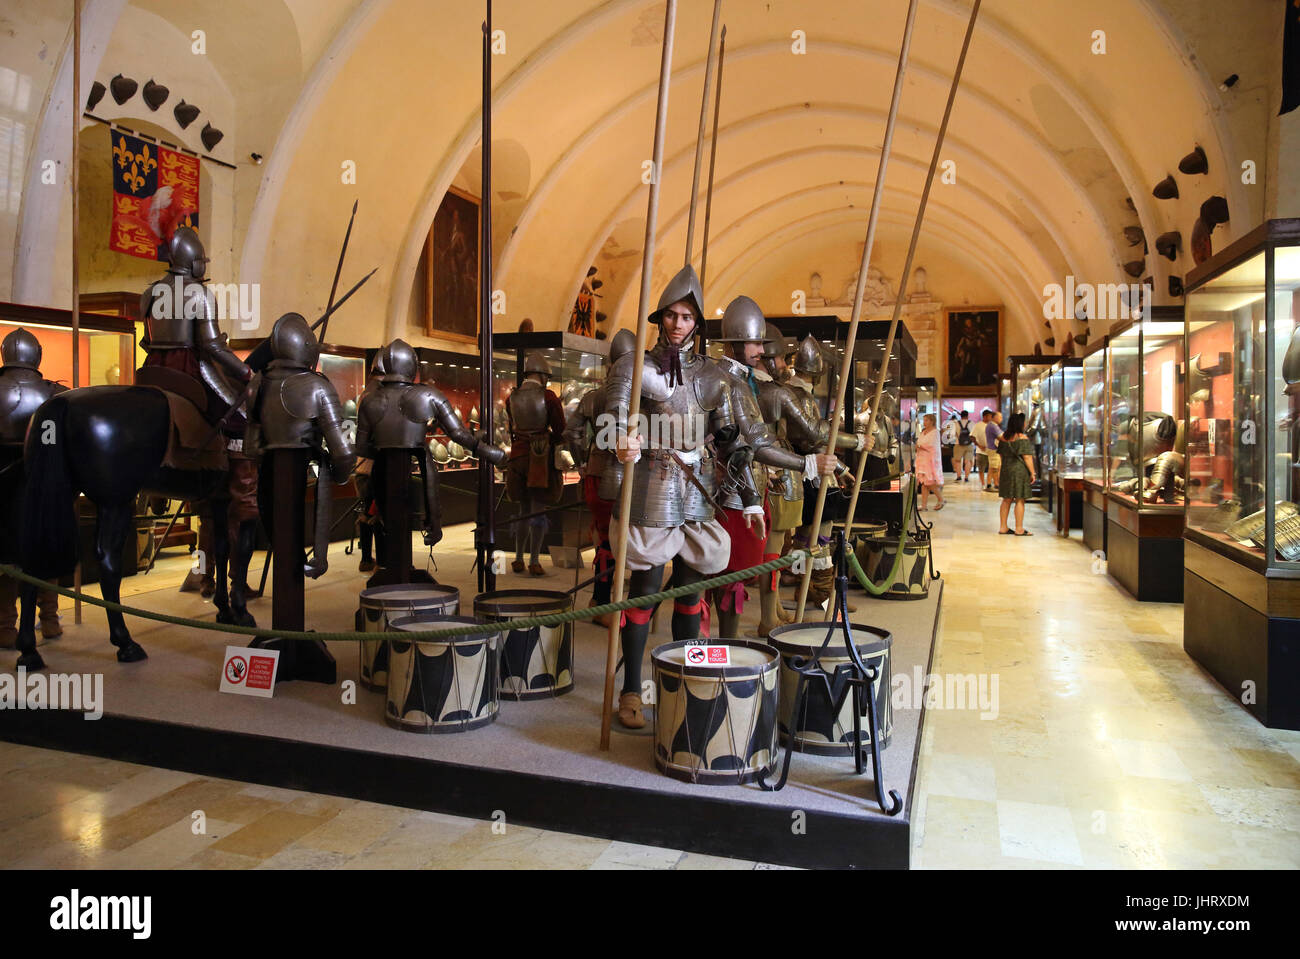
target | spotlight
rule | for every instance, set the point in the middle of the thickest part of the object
(256, 158)
(1228, 82)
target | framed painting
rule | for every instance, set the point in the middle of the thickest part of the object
(972, 345)
(452, 255)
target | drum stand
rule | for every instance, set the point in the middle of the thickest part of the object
(854, 677)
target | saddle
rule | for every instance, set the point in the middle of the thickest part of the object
(192, 443)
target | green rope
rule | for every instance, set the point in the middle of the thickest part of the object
(888, 583)
(469, 629)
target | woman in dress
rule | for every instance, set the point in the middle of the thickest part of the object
(1017, 452)
(929, 463)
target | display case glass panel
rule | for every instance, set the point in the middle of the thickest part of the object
(1051, 416)
(1096, 414)
(1284, 300)
(456, 376)
(578, 364)
(1069, 456)
(1148, 440)
(107, 358)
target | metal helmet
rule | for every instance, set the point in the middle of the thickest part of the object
(623, 343)
(743, 322)
(293, 340)
(185, 254)
(350, 410)
(536, 363)
(21, 349)
(809, 358)
(400, 361)
(684, 286)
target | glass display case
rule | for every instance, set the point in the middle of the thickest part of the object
(1069, 456)
(1145, 455)
(1051, 416)
(1004, 395)
(1028, 379)
(106, 344)
(457, 377)
(1096, 413)
(1242, 550)
(1146, 417)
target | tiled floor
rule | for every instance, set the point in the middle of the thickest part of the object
(1110, 748)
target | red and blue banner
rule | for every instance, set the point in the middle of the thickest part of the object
(155, 190)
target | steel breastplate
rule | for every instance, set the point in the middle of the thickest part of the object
(287, 409)
(173, 329)
(21, 394)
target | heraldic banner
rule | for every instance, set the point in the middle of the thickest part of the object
(155, 190)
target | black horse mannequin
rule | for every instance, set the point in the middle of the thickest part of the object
(109, 443)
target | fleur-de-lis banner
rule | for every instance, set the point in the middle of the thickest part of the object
(155, 190)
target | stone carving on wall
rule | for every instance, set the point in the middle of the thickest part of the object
(921, 312)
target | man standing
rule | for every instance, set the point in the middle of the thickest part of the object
(980, 433)
(948, 440)
(686, 401)
(963, 453)
(993, 433)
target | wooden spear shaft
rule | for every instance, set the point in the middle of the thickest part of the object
(699, 137)
(846, 367)
(642, 323)
(76, 236)
(713, 156)
(907, 268)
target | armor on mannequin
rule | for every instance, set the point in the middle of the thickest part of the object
(295, 408)
(533, 479)
(685, 399)
(181, 330)
(744, 338)
(22, 391)
(580, 437)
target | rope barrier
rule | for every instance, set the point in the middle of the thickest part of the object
(550, 619)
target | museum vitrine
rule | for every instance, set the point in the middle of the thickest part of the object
(1242, 548)
(1145, 479)
(1063, 443)
(105, 344)
(1095, 416)
(1028, 378)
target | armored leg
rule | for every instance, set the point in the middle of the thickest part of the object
(635, 632)
(432, 506)
(324, 517)
(537, 528)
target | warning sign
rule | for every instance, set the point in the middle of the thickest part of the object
(250, 671)
(708, 655)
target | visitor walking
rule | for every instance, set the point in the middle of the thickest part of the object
(929, 463)
(1017, 475)
(992, 434)
(963, 453)
(980, 432)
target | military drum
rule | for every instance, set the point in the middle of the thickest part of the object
(715, 724)
(536, 663)
(821, 728)
(382, 604)
(446, 685)
(877, 554)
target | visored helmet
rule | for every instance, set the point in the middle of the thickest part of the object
(21, 349)
(400, 361)
(743, 322)
(293, 341)
(185, 254)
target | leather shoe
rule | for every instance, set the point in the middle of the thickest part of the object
(629, 711)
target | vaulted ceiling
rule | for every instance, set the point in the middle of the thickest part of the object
(1049, 139)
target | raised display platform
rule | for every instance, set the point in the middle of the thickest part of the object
(539, 763)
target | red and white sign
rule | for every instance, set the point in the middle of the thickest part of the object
(708, 655)
(250, 672)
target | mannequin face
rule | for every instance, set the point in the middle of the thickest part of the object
(678, 322)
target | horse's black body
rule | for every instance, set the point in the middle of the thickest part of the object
(108, 442)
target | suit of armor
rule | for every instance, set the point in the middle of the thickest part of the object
(685, 398)
(396, 416)
(181, 330)
(533, 478)
(582, 436)
(295, 408)
(22, 391)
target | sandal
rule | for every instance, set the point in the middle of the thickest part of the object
(1006, 532)
(1024, 532)
(939, 507)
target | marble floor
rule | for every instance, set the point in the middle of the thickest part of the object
(1109, 748)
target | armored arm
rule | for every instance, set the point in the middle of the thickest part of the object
(329, 421)
(733, 447)
(810, 432)
(575, 430)
(363, 443)
(212, 345)
(442, 411)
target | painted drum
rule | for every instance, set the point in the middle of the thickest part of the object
(446, 685)
(715, 724)
(536, 663)
(820, 728)
(876, 556)
(382, 604)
